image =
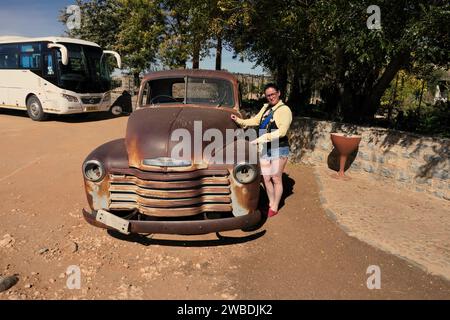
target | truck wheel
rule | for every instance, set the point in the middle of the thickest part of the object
(34, 109)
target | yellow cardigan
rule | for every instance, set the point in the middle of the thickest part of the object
(282, 116)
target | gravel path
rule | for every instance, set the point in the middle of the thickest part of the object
(409, 224)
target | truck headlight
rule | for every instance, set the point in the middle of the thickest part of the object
(245, 173)
(93, 170)
(70, 98)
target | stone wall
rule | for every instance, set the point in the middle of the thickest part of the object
(411, 161)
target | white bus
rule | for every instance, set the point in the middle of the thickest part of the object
(54, 75)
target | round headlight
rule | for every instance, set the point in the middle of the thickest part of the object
(93, 170)
(245, 173)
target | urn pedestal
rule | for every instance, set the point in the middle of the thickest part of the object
(345, 144)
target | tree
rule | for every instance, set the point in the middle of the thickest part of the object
(187, 27)
(100, 21)
(224, 16)
(327, 43)
(141, 32)
(134, 28)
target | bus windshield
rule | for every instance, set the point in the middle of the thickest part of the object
(87, 70)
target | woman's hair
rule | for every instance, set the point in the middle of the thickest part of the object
(271, 85)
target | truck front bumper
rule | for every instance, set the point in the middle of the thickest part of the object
(193, 227)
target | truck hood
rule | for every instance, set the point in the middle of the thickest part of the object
(152, 132)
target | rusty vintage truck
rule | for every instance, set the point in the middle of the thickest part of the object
(138, 185)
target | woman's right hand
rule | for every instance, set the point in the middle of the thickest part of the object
(234, 117)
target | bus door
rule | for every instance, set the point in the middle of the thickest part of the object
(49, 72)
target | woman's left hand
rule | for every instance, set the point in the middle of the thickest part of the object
(254, 142)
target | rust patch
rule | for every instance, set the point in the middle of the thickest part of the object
(245, 197)
(98, 194)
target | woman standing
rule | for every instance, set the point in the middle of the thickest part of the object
(274, 120)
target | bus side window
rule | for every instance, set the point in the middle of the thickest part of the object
(9, 58)
(30, 56)
(49, 68)
(30, 61)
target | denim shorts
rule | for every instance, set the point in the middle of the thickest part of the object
(274, 153)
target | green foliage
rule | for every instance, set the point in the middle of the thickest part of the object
(404, 91)
(326, 44)
(140, 33)
(100, 21)
(307, 45)
(186, 32)
(148, 31)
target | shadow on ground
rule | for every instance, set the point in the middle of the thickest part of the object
(86, 117)
(68, 118)
(221, 240)
(288, 189)
(333, 160)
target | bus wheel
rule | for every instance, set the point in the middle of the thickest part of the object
(34, 109)
(116, 110)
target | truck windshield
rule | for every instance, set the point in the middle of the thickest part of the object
(87, 71)
(190, 90)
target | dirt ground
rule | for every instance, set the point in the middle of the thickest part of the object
(410, 224)
(299, 254)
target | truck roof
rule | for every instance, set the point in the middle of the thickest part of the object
(190, 72)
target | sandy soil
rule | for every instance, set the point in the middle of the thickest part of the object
(299, 254)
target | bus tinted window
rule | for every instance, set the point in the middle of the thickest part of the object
(9, 57)
(49, 69)
(30, 48)
(30, 56)
(30, 61)
(8, 61)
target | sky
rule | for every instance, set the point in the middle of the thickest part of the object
(33, 18)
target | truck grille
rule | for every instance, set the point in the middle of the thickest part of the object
(91, 100)
(171, 195)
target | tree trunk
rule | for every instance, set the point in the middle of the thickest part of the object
(394, 97)
(294, 94)
(196, 55)
(421, 96)
(137, 80)
(251, 88)
(372, 101)
(219, 53)
(281, 78)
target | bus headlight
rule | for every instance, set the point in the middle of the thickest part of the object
(107, 97)
(70, 98)
(245, 173)
(93, 170)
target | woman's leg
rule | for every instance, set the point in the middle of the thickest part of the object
(278, 167)
(267, 174)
